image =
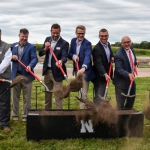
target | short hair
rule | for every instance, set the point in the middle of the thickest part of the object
(55, 26)
(81, 27)
(103, 30)
(24, 31)
(0, 30)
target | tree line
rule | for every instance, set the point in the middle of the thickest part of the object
(142, 45)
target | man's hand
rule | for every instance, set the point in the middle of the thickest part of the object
(131, 76)
(47, 44)
(59, 63)
(81, 71)
(28, 68)
(75, 58)
(107, 77)
(14, 57)
(112, 59)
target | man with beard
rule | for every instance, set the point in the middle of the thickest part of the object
(5, 73)
(53, 76)
(102, 56)
(26, 53)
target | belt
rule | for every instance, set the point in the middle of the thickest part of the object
(49, 68)
(19, 72)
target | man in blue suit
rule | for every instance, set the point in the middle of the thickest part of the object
(53, 76)
(26, 53)
(81, 51)
(124, 73)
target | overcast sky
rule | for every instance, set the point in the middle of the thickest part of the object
(119, 17)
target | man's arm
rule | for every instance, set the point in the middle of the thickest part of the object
(6, 61)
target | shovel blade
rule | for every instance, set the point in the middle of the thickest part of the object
(127, 95)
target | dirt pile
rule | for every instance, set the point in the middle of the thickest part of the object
(18, 80)
(103, 113)
(74, 86)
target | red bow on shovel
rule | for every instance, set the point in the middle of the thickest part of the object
(60, 67)
(47, 90)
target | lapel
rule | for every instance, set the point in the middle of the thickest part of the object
(125, 55)
(58, 44)
(103, 50)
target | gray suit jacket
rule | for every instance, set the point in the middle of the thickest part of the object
(122, 69)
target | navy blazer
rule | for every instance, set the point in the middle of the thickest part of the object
(84, 57)
(61, 52)
(122, 69)
(101, 65)
(29, 58)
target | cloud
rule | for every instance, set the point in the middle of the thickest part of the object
(120, 17)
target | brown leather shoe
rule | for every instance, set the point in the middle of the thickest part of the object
(7, 129)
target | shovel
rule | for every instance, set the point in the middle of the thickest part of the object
(47, 90)
(3, 80)
(60, 67)
(77, 66)
(107, 83)
(129, 89)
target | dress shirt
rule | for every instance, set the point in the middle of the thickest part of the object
(53, 44)
(20, 51)
(133, 58)
(78, 45)
(6, 61)
(107, 50)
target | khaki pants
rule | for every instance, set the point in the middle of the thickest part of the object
(83, 93)
(27, 88)
(52, 85)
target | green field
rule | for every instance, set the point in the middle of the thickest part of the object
(16, 140)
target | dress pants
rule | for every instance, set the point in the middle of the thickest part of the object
(83, 93)
(122, 101)
(99, 89)
(4, 104)
(26, 87)
(52, 85)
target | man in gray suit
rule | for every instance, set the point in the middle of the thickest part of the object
(124, 73)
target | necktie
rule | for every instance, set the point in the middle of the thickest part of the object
(132, 63)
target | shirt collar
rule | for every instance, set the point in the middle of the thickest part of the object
(56, 40)
(105, 45)
(78, 43)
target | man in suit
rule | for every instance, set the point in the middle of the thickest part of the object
(53, 76)
(81, 51)
(102, 56)
(124, 73)
(26, 53)
(5, 73)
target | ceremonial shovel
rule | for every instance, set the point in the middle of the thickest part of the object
(128, 94)
(107, 83)
(47, 90)
(60, 67)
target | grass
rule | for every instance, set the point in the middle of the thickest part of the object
(16, 140)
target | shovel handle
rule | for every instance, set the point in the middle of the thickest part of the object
(77, 65)
(109, 72)
(60, 67)
(29, 70)
(1, 80)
